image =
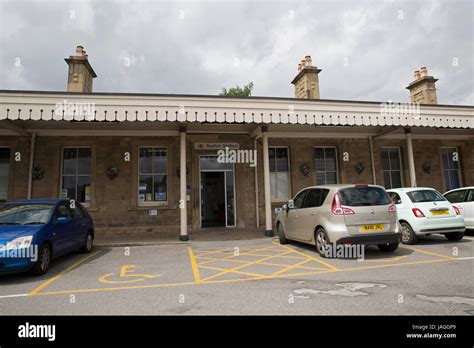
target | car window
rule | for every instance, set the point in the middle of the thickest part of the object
(313, 198)
(25, 213)
(395, 197)
(470, 196)
(299, 199)
(77, 212)
(456, 196)
(363, 196)
(421, 196)
(63, 210)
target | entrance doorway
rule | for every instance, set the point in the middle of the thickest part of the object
(217, 193)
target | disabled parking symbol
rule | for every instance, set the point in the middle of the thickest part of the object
(127, 275)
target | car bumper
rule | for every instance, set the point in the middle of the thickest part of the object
(12, 265)
(446, 225)
(371, 239)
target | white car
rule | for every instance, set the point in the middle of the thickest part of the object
(464, 199)
(424, 211)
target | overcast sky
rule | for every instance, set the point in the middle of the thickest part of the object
(367, 50)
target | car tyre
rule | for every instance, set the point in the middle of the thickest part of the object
(321, 241)
(388, 248)
(88, 244)
(281, 234)
(408, 235)
(454, 236)
(41, 265)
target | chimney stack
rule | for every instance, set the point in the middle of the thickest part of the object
(306, 81)
(423, 89)
(81, 74)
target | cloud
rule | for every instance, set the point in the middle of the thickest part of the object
(367, 50)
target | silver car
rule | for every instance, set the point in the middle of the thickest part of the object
(340, 214)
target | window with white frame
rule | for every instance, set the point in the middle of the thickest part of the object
(325, 165)
(279, 173)
(391, 167)
(76, 174)
(152, 174)
(451, 169)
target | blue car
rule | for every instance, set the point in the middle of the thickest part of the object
(33, 232)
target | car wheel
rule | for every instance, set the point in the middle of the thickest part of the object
(408, 236)
(454, 236)
(41, 265)
(87, 247)
(388, 248)
(322, 241)
(281, 234)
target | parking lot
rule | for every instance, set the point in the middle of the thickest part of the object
(257, 276)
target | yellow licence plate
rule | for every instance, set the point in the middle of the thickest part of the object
(440, 212)
(373, 227)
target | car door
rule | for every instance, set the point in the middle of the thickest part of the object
(80, 224)
(307, 216)
(291, 224)
(469, 210)
(62, 232)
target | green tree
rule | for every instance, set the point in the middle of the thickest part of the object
(237, 91)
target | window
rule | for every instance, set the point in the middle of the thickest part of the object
(363, 196)
(299, 199)
(456, 196)
(63, 211)
(392, 168)
(451, 171)
(4, 169)
(76, 175)
(77, 212)
(315, 198)
(279, 173)
(325, 164)
(470, 197)
(395, 197)
(422, 196)
(152, 174)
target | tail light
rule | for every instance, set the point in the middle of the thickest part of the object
(457, 210)
(418, 213)
(392, 208)
(338, 209)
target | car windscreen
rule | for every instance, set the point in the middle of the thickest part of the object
(25, 213)
(363, 196)
(421, 196)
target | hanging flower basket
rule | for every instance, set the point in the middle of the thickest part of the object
(112, 172)
(37, 174)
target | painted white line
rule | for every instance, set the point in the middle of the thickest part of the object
(464, 258)
(15, 295)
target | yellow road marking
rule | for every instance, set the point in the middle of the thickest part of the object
(312, 258)
(209, 252)
(239, 272)
(232, 280)
(197, 276)
(428, 252)
(397, 258)
(214, 260)
(242, 266)
(126, 271)
(290, 267)
(59, 275)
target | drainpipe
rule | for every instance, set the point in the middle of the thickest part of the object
(372, 161)
(32, 158)
(266, 179)
(257, 215)
(411, 159)
(183, 234)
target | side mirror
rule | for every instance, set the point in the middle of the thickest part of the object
(62, 220)
(285, 207)
(291, 204)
